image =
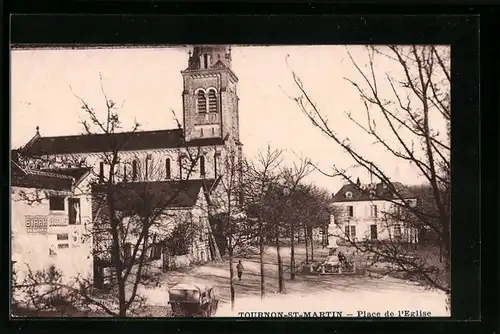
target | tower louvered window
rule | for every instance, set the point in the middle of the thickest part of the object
(212, 101)
(201, 102)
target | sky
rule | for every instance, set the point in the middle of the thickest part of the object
(146, 84)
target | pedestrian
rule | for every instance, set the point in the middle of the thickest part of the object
(342, 258)
(239, 268)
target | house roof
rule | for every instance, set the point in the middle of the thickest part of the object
(126, 141)
(39, 179)
(16, 169)
(77, 173)
(362, 193)
(168, 194)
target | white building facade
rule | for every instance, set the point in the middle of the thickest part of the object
(369, 213)
(50, 223)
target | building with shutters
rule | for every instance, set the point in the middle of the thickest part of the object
(370, 213)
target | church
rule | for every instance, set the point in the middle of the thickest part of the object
(190, 159)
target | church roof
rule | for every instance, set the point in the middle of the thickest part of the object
(26, 178)
(126, 141)
(167, 194)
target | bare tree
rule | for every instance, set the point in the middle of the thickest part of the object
(260, 174)
(312, 210)
(142, 221)
(130, 220)
(404, 121)
(273, 212)
(227, 202)
(292, 178)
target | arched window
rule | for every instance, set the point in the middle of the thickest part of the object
(202, 166)
(101, 171)
(212, 101)
(201, 102)
(168, 170)
(181, 160)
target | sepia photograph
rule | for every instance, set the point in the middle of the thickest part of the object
(253, 181)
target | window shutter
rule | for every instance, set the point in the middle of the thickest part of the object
(212, 101)
(202, 102)
(353, 231)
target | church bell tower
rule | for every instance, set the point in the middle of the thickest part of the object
(210, 100)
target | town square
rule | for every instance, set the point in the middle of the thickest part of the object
(228, 180)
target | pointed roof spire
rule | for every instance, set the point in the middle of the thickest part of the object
(37, 130)
(203, 57)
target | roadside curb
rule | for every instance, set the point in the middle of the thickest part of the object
(381, 276)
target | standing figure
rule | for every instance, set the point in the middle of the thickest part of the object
(239, 268)
(342, 258)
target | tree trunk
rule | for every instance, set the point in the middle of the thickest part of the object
(216, 255)
(440, 252)
(231, 276)
(116, 256)
(307, 244)
(292, 253)
(261, 256)
(324, 237)
(280, 265)
(312, 245)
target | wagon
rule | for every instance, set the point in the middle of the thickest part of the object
(192, 300)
